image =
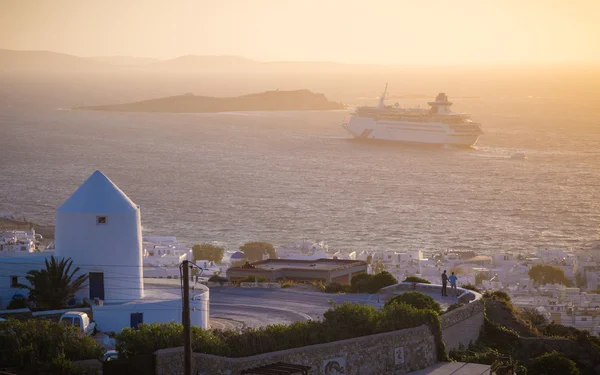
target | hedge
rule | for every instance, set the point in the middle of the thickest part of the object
(417, 300)
(416, 279)
(41, 346)
(345, 321)
(371, 283)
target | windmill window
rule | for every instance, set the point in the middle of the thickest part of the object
(14, 281)
(100, 219)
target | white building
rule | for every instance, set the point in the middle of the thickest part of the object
(99, 228)
(18, 241)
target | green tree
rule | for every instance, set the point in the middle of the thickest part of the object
(378, 267)
(254, 250)
(209, 252)
(52, 287)
(552, 363)
(544, 274)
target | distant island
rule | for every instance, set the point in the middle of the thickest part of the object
(266, 101)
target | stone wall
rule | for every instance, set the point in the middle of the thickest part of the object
(462, 325)
(387, 353)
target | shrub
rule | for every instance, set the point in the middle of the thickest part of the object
(366, 283)
(534, 317)
(383, 279)
(35, 346)
(340, 322)
(497, 295)
(217, 279)
(470, 287)
(360, 282)
(319, 285)
(252, 279)
(552, 363)
(416, 279)
(417, 300)
(17, 303)
(148, 338)
(334, 288)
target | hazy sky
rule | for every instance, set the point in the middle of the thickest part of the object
(354, 31)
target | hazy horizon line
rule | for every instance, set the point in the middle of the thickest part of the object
(382, 64)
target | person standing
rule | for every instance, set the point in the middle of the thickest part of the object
(444, 284)
(453, 279)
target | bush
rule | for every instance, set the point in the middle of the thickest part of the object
(36, 346)
(319, 285)
(252, 279)
(340, 322)
(470, 287)
(217, 279)
(17, 303)
(533, 317)
(367, 283)
(334, 288)
(416, 279)
(417, 300)
(497, 295)
(552, 363)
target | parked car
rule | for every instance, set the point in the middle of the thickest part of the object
(110, 355)
(80, 320)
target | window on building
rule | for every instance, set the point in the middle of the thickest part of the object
(23, 248)
(14, 281)
(100, 219)
(584, 319)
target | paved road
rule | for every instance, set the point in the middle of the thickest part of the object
(259, 307)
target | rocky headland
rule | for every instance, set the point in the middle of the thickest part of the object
(266, 101)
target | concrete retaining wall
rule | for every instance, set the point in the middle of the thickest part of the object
(388, 353)
(462, 325)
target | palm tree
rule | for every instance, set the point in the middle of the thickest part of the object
(53, 287)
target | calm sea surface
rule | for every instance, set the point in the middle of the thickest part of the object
(287, 176)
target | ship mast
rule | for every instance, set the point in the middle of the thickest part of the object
(382, 98)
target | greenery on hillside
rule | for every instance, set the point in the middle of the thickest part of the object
(208, 252)
(53, 286)
(522, 339)
(41, 346)
(254, 251)
(340, 322)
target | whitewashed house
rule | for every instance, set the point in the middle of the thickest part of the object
(99, 228)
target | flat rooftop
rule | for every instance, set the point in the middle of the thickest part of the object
(319, 264)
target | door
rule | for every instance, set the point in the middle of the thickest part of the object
(136, 318)
(96, 285)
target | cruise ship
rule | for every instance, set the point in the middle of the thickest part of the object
(437, 125)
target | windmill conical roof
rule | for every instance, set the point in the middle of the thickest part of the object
(98, 194)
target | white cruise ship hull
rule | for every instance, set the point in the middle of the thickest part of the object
(409, 132)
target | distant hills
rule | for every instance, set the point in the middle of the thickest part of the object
(44, 61)
(265, 101)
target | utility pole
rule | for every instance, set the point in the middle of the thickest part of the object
(187, 332)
